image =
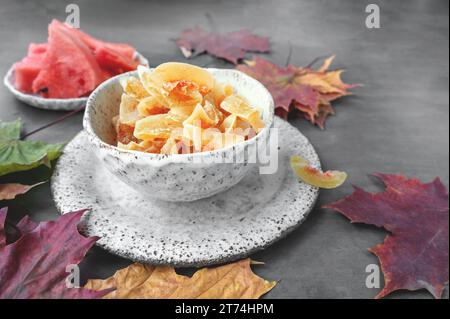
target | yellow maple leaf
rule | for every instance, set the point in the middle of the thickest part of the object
(138, 281)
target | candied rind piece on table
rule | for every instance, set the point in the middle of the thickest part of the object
(315, 177)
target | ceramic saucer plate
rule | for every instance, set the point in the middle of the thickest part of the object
(230, 225)
(51, 104)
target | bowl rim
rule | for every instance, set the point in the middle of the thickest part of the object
(8, 82)
(95, 138)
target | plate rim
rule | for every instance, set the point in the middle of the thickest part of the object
(230, 257)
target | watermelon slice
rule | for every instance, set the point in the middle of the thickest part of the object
(113, 61)
(114, 58)
(71, 64)
(37, 48)
(94, 44)
(26, 71)
(69, 69)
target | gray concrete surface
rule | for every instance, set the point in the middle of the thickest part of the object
(397, 122)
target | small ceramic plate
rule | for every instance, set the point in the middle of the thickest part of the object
(228, 226)
(51, 104)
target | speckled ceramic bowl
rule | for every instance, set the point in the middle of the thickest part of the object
(180, 177)
(40, 102)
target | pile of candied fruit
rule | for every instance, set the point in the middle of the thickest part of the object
(179, 108)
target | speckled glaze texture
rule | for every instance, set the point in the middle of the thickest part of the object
(51, 104)
(225, 227)
(180, 177)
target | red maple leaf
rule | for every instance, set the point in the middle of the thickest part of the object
(2, 227)
(34, 266)
(307, 90)
(415, 253)
(231, 46)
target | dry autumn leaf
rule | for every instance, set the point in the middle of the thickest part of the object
(307, 90)
(2, 227)
(415, 253)
(34, 266)
(138, 281)
(231, 46)
(11, 190)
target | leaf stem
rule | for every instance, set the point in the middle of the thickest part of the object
(58, 120)
(288, 59)
(315, 61)
(211, 24)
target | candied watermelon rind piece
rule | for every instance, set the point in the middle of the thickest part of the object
(315, 177)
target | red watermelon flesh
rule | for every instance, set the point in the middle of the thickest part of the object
(113, 61)
(123, 49)
(26, 71)
(37, 48)
(71, 64)
(115, 58)
(69, 68)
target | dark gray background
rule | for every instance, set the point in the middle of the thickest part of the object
(397, 122)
